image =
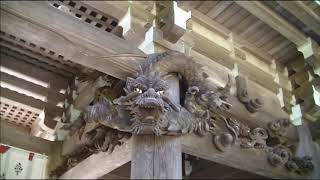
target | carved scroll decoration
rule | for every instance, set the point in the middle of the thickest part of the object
(147, 109)
(252, 105)
(300, 165)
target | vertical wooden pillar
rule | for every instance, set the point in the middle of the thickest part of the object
(158, 157)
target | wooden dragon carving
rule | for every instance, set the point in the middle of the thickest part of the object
(146, 108)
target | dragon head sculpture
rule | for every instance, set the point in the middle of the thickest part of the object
(148, 107)
(148, 103)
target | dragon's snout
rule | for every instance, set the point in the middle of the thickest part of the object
(150, 103)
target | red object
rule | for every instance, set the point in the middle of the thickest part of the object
(4, 148)
(31, 156)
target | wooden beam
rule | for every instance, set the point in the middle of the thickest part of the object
(73, 39)
(276, 22)
(251, 160)
(303, 13)
(27, 100)
(254, 161)
(39, 60)
(55, 82)
(97, 165)
(17, 136)
(53, 97)
(40, 53)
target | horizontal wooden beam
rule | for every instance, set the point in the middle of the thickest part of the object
(53, 97)
(252, 160)
(276, 22)
(75, 40)
(17, 136)
(55, 82)
(36, 59)
(303, 13)
(30, 101)
(97, 165)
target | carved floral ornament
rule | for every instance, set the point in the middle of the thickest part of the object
(146, 108)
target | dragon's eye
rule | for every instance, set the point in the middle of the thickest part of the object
(137, 90)
(160, 92)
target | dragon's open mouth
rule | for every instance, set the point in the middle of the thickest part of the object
(150, 110)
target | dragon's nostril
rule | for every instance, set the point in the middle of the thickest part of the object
(151, 91)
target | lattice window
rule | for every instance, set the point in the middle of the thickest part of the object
(18, 115)
(88, 14)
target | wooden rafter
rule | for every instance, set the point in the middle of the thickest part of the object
(276, 22)
(74, 39)
(303, 13)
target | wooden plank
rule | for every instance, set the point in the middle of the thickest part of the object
(254, 161)
(251, 160)
(97, 165)
(303, 13)
(228, 13)
(236, 18)
(17, 53)
(206, 6)
(17, 136)
(41, 57)
(219, 8)
(27, 100)
(243, 24)
(55, 82)
(74, 39)
(53, 97)
(279, 24)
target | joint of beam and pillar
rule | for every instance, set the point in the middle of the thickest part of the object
(171, 20)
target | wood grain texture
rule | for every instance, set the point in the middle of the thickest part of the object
(158, 157)
(266, 15)
(142, 165)
(75, 40)
(97, 165)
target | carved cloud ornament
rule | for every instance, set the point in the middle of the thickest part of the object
(252, 105)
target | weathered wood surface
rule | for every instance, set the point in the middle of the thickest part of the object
(117, 67)
(74, 39)
(30, 101)
(55, 82)
(36, 59)
(52, 96)
(38, 53)
(158, 157)
(142, 160)
(100, 164)
(266, 15)
(303, 13)
(17, 136)
(307, 147)
(251, 160)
